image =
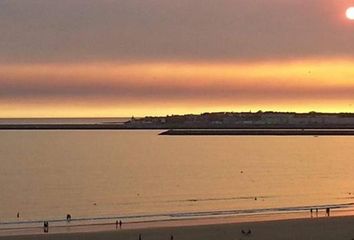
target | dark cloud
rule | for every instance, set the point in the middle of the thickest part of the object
(153, 30)
(155, 92)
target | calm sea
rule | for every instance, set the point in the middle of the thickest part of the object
(61, 120)
(141, 176)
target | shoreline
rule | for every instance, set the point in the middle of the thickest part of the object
(298, 228)
(94, 228)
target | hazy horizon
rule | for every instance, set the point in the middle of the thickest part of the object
(182, 114)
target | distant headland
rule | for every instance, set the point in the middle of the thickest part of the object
(247, 120)
(250, 123)
(220, 123)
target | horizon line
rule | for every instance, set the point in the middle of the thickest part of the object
(184, 114)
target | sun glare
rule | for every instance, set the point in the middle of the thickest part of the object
(350, 13)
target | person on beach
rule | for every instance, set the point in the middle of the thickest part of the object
(139, 236)
(120, 224)
(45, 226)
(117, 224)
(249, 232)
(311, 211)
(327, 211)
(18, 214)
(171, 238)
(68, 217)
(316, 212)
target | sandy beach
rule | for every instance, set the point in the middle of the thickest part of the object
(316, 228)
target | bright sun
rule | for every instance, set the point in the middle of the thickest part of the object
(350, 13)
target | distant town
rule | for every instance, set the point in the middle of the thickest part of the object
(238, 122)
(246, 120)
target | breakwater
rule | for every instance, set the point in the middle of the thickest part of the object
(261, 132)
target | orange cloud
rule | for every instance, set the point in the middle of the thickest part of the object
(159, 88)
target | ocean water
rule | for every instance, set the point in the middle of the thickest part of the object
(61, 120)
(98, 176)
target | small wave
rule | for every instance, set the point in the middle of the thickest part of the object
(343, 198)
(222, 199)
(263, 210)
(169, 216)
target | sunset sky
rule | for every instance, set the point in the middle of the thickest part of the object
(96, 58)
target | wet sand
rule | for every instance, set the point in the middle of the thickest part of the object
(316, 228)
